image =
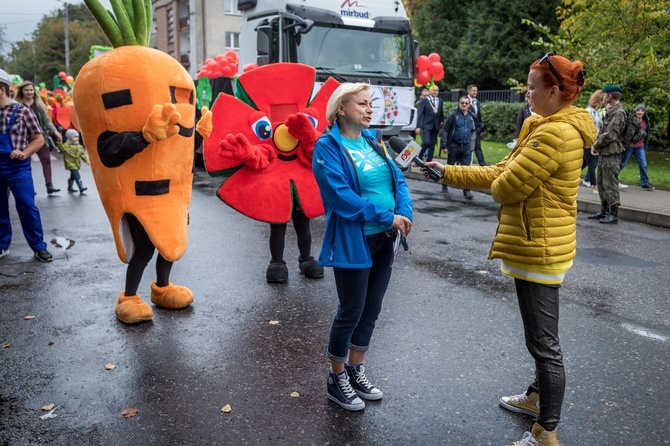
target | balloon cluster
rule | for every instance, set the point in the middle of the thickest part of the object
(221, 65)
(64, 77)
(430, 70)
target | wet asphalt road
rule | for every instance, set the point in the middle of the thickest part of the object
(449, 341)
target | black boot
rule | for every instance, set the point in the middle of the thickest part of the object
(310, 268)
(613, 217)
(604, 212)
(277, 272)
(80, 184)
(51, 189)
(70, 182)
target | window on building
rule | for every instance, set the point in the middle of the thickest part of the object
(232, 41)
(230, 7)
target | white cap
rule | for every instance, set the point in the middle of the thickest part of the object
(4, 77)
(71, 133)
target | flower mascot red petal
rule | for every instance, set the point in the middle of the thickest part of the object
(135, 107)
(263, 138)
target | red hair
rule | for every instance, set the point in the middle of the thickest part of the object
(571, 74)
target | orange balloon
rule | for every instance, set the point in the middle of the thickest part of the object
(65, 115)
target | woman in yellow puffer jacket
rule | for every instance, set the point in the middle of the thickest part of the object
(536, 186)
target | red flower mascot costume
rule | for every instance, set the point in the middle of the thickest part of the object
(135, 107)
(264, 141)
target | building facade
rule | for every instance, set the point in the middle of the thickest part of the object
(192, 31)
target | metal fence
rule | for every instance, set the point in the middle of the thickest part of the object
(511, 95)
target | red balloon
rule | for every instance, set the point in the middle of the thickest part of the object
(220, 57)
(250, 66)
(232, 54)
(422, 63)
(438, 76)
(434, 57)
(435, 68)
(62, 74)
(227, 71)
(423, 77)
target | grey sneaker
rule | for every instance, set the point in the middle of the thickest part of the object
(4, 252)
(340, 391)
(526, 404)
(360, 383)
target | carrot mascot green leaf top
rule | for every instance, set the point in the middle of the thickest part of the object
(129, 24)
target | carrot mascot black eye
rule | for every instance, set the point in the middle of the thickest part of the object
(135, 108)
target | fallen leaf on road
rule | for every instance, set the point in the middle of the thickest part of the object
(110, 366)
(295, 394)
(274, 322)
(129, 412)
(7, 345)
(29, 317)
(49, 407)
(226, 409)
(51, 343)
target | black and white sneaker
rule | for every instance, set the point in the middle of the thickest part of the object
(360, 383)
(43, 255)
(340, 391)
(4, 252)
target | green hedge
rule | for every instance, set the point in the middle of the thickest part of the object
(499, 119)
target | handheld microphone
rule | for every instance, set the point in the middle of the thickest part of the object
(409, 153)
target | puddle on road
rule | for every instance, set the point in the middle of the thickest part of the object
(604, 256)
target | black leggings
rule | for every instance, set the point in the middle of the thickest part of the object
(144, 250)
(278, 233)
(539, 311)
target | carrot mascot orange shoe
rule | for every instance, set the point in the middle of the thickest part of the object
(132, 309)
(172, 297)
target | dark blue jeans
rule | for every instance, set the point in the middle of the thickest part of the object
(360, 292)
(539, 312)
(16, 176)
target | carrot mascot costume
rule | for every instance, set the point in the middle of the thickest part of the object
(135, 107)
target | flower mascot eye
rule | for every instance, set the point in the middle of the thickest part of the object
(135, 107)
(263, 140)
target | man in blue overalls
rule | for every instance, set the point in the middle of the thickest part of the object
(20, 137)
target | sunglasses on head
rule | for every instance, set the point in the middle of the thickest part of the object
(545, 58)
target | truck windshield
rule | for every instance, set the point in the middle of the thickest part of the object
(349, 51)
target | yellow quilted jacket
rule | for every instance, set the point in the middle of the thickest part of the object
(536, 185)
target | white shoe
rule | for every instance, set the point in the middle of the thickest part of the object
(586, 183)
(4, 252)
(623, 186)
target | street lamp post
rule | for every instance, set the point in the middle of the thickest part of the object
(67, 37)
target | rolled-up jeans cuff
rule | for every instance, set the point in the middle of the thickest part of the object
(358, 348)
(336, 358)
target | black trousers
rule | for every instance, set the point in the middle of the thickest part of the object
(539, 312)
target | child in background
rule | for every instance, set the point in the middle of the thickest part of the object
(73, 154)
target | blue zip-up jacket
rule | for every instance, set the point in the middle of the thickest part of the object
(344, 244)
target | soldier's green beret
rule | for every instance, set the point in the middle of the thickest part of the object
(611, 88)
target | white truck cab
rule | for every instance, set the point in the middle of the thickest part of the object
(351, 40)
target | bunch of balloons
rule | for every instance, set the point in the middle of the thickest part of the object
(221, 65)
(430, 70)
(62, 81)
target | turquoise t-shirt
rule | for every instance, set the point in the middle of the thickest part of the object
(374, 178)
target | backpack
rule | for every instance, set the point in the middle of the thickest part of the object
(633, 132)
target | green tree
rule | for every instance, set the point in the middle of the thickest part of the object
(626, 42)
(481, 41)
(44, 56)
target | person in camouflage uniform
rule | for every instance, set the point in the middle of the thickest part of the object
(610, 148)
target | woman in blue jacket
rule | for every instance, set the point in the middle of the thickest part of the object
(367, 205)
